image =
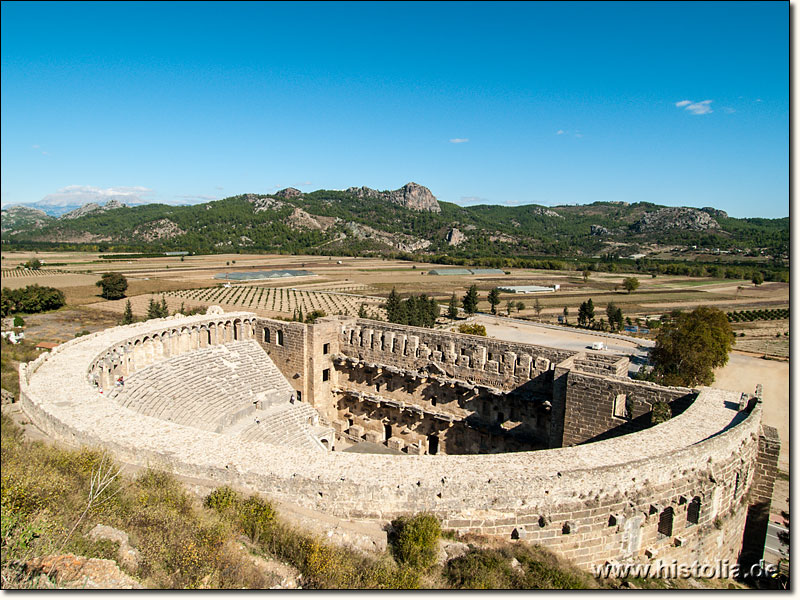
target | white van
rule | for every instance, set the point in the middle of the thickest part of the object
(598, 346)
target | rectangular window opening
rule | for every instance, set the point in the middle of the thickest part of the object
(621, 406)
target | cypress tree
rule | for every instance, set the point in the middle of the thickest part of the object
(589, 311)
(433, 311)
(452, 308)
(494, 299)
(470, 301)
(393, 306)
(127, 316)
(152, 310)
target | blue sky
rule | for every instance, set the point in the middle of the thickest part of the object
(493, 103)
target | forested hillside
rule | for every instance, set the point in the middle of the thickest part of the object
(358, 222)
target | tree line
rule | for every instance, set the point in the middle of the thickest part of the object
(30, 299)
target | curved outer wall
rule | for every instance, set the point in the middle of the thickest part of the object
(599, 502)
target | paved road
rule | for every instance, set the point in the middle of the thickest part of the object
(774, 547)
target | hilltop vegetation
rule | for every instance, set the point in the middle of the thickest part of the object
(355, 222)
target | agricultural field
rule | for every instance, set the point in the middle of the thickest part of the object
(191, 280)
(769, 338)
(19, 278)
(264, 301)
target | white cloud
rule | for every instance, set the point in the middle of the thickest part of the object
(578, 135)
(459, 140)
(74, 195)
(560, 132)
(696, 108)
(728, 110)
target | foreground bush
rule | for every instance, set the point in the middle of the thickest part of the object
(514, 567)
(415, 540)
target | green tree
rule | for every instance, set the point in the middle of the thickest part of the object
(494, 299)
(362, 311)
(631, 284)
(452, 308)
(520, 306)
(586, 275)
(433, 311)
(127, 316)
(163, 309)
(509, 307)
(758, 278)
(470, 301)
(114, 286)
(314, 315)
(690, 346)
(582, 314)
(565, 312)
(393, 307)
(611, 313)
(537, 307)
(586, 312)
(34, 264)
(31, 299)
(153, 310)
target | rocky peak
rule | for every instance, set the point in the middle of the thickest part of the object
(21, 216)
(412, 196)
(690, 219)
(289, 192)
(715, 212)
(93, 207)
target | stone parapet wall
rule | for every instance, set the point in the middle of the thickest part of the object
(501, 364)
(599, 407)
(593, 503)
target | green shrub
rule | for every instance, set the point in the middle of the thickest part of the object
(661, 412)
(256, 517)
(535, 568)
(474, 329)
(480, 569)
(19, 321)
(222, 499)
(415, 540)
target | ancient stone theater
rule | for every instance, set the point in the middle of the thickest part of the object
(368, 420)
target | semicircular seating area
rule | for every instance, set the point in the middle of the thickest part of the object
(287, 425)
(210, 388)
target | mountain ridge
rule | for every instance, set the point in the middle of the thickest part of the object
(410, 219)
